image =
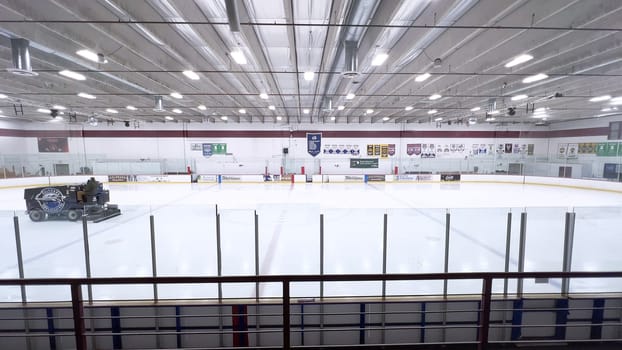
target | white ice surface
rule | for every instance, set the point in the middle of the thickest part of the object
(288, 222)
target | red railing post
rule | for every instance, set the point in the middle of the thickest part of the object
(286, 325)
(78, 316)
(485, 313)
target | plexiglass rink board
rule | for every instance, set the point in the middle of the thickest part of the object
(237, 236)
(185, 240)
(415, 244)
(595, 249)
(8, 262)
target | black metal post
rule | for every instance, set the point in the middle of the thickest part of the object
(286, 321)
(485, 314)
(78, 316)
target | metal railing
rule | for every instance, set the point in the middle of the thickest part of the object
(486, 296)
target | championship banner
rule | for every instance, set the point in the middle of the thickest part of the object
(572, 151)
(52, 144)
(391, 149)
(207, 150)
(562, 149)
(413, 149)
(314, 143)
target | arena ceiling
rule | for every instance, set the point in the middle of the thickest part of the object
(463, 45)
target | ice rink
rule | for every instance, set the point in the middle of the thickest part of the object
(289, 236)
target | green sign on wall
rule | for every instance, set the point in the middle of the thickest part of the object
(364, 163)
(219, 148)
(612, 149)
(601, 149)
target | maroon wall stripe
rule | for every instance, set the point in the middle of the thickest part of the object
(601, 131)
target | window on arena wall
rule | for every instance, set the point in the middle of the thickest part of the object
(615, 131)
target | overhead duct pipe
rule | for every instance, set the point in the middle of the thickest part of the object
(159, 107)
(232, 15)
(21, 58)
(352, 59)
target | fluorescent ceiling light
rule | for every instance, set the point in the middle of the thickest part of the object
(168, 117)
(176, 110)
(540, 110)
(309, 75)
(475, 109)
(438, 119)
(224, 117)
(518, 60)
(616, 101)
(519, 97)
(72, 75)
(191, 75)
(489, 119)
(242, 111)
(59, 107)
(113, 111)
(379, 59)
(609, 109)
(279, 118)
(271, 107)
(435, 97)
(44, 110)
(176, 95)
(493, 112)
(534, 78)
(131, 108)
(408, 108)
(92, 56)
(3, 96)
(341, 108)
(333, 118)
(202, 107)
(238, 57)
(305, 111)
(385, 118)
(85, 95)
(600, 98)
(432, 111)
(350, 96)
(369, 111)
(263, 96)
(422, 77)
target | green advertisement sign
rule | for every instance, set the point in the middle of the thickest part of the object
(612, 149)
(364, 163)
(219, 148)
(601, 149)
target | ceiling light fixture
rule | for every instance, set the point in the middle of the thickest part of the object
(490, 119)
(306, 111)
(350, 96)
(263, 96)
(72, 75)
(385, 118)
(90, 55)
(435, 97)
(176, 110)
(59, 107)
(191, 75)
(113, 111)
(3, 96)
(534, 78)
(438, 119)
(408, 108)
(333, 118)
(131, 108)
(341, 108)
(369, 111)
(308, 76)
(279, 118)
(168, 117)
(44, 110)
(432, 111)
(176, 95)
(600, 98)
(493, 112)
(224, 117)
(238, 57)
(271, 107)
(519, 97)
(616, 101)
(518, 60)
(202, 107)
(56, 119)
(379, 59)
(85, 95)
(242, 111)
(475, 109)
(422, 77)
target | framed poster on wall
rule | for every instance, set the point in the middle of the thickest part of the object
(52, 144)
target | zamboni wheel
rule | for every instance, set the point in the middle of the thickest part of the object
(74, 215)
(36, 215)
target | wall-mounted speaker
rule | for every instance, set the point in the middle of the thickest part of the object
(285, 150)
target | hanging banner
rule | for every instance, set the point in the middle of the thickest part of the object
(314, 143)
(391, 149)
(207, 150)
(562, 149)
(573, 150)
